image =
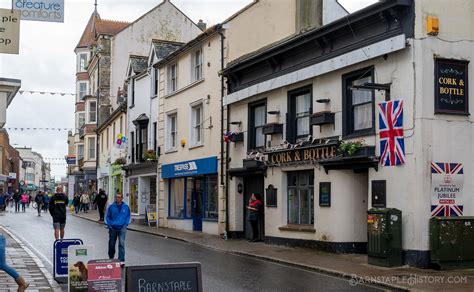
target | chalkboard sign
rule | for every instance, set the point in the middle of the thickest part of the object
(451, 87)
(150, 211)
(166, 277)
(325, 194)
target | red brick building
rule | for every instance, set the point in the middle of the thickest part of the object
(10, 164)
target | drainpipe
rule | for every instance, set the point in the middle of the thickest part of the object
(96, 127)
(224, 184)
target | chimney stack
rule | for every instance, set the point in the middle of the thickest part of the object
(202, 25)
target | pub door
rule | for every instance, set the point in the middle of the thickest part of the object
(253, 184)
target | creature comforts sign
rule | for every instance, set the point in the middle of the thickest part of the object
(308, 154)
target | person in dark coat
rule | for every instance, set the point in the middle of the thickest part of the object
(101, 201)
(39, 199)
(254, 213)
(57, 209)
(17, 198)
(77, 203)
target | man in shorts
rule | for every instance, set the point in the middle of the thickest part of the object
(57, 209)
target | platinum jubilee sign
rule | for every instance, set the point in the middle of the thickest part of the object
(41, 10)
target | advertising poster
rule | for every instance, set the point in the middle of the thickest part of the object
(79, 256)
(105, 275)
(447, 180)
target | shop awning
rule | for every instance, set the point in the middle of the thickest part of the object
(243, 171)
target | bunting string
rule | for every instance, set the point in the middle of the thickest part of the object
(38, 129)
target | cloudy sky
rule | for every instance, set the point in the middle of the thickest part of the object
(46, 63)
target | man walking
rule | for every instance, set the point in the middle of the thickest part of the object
(39, 199)
(16, 198)
(57, 209)
(100, 201)
(117, 220)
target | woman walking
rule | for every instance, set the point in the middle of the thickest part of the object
(254, 212)
(24, 200)
(22, 285)
(85, 200)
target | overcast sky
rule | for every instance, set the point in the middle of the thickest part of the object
(46, 63)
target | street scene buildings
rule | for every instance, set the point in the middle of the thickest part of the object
(295, 124)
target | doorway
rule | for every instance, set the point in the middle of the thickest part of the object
(197, 193)
(253, 184)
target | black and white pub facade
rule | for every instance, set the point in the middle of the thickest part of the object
(369, 111)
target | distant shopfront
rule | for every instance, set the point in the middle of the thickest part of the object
(192, 190)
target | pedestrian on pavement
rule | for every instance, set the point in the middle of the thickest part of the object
(24, 201)
(22, 284)
(57, 209)
(101, 201)
(93, 202)
(39, 199)
(17, 198)
(117, 220)
(85, 200)
(3, 201)
(254, 214)
(46, 200)
(77, 202)
(30, 198)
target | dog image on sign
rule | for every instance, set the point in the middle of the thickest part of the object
(79, 256)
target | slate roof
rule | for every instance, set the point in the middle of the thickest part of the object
(138, 63)
(164, 48)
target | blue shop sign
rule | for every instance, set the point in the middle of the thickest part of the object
(190, 168)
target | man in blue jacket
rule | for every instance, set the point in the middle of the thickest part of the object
(117, 220)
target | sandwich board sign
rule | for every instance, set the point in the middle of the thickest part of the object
(61, 256)
(104, 275)
(151, 214)
(166, 277)
(79, 256)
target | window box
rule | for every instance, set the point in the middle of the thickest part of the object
(364, 151)
(322, 118)
(273, 128)
(251, 163)
(237, 137)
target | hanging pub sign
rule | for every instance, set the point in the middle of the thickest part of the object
(447, 180)
(451, 87)
(308, 154)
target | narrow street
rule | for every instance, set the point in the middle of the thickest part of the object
(220, 271)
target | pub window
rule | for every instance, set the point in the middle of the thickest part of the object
(257, 119)
(300, 109)
(301, 197)
(358, 104)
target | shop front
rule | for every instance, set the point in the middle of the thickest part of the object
(141, 188)
(192, 189)
(116, 181)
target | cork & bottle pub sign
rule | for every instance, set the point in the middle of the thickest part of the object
(451, 87)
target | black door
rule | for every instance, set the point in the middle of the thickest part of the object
(253, 184)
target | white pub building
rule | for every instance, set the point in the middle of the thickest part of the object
(363, 112)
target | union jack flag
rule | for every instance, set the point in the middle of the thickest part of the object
(392, 144)
(446, 210)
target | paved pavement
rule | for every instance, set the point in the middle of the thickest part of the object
(348, 266)
(27, 264)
